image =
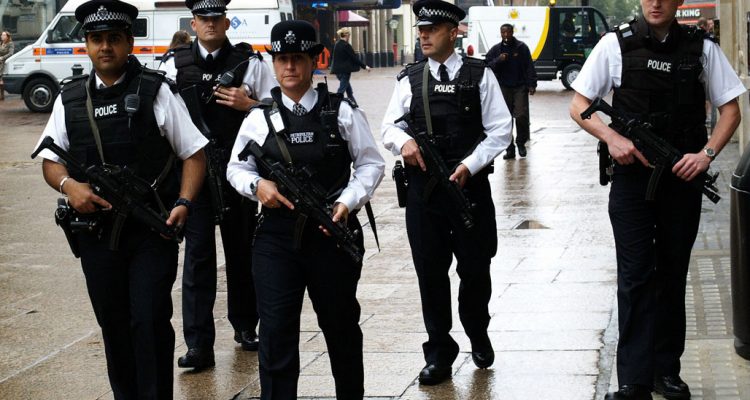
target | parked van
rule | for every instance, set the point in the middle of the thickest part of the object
(36, 71)
(559, 38)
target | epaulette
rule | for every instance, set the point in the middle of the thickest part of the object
(405, 72)
(72, 78)
(172, 84)
(167, 55)
(248, 48)
(625, 29)
(475, 61)
(263, 103)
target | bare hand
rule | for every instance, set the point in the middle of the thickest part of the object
(82, 198)
(691, 165)
(234, 97)
(412, 155)
(269, 196)
(461, 175)
(340, 213)
(503, 56)
(367, 68)
(177, 218)
(624, 151)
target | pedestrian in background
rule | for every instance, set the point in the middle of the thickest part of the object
(6, 50)
(202, 64)
(471, 126)
(654, 238)
(180, 38)
(291, 252)
(344, 62)
(510, 61)
(130, 287)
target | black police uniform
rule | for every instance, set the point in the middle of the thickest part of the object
(431, 223)
(199, 275)
(660, 84)
(291, 255)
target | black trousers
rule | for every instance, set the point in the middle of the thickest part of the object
(130, 290)
(517, 100)
(653, 241)
(282, 272)
(199, 274)
(434, 241)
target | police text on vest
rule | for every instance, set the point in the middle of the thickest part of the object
(662, 66)
(105, 110)
(445, 89)
(301, 137)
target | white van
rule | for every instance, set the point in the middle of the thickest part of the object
(36, 71)
(559, 38)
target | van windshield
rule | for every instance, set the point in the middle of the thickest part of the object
(66, 30)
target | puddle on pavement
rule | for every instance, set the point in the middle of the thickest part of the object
(530, 224)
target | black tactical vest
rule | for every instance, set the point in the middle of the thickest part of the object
(141, 147)
(192, 69)
(455, 107)
(660, 82)
(313, 141)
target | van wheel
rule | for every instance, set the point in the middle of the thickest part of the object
(39, 95)
(569, 74)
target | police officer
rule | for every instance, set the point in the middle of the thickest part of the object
(471, 127)
(663, 73)
(203, 63)
(130, 287)
(292, 253)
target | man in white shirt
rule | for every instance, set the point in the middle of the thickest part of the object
(471, 126)
(129, 280)
(661, 73)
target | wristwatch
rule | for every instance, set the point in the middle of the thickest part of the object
(254, 185)
(710, 153)
(184, 202)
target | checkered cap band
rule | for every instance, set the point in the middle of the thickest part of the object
(104, 15)
(276, 46)
(209, 4)
(306, 45)
(427, 13)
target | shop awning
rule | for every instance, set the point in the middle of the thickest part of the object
(350, 18)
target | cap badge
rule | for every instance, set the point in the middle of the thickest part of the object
(101, 11)
(290, 38)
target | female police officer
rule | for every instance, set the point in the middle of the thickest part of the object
(291, 253)
(130, 287)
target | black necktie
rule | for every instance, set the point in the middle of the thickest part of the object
(209, 59)
(443, 71)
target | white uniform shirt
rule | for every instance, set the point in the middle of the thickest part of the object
(258, 79)
(495, 116)
(603, 71)
(171, 116)
(367, 162)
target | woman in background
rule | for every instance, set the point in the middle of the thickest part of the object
(6, 50)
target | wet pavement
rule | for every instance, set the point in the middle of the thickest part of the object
(553, 307)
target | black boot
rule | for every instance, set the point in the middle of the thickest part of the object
(197, 358)
(630, 392)
(671, 387)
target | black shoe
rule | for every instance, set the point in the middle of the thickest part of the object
(483, 359)
(630, 392)
(432, 374)
(509, 155)
(671, 387)
(197, 358)
(248, 340)
(522, 150)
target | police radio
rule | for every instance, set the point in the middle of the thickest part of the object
(226, 79)
(133, 101)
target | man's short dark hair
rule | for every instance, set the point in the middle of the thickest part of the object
(509, 26)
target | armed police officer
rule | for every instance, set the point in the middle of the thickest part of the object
(308, 139)
(661, 73)
(197, 69)
(126, 116)
(459, 105)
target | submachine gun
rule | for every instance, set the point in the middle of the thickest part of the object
(440, 176)
(657, 151)
(308, 197)
(216, 156)
(125, 191)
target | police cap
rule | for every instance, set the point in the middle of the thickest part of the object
(208, 8)
(430, 12)
(294, 36)
(106, 15)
